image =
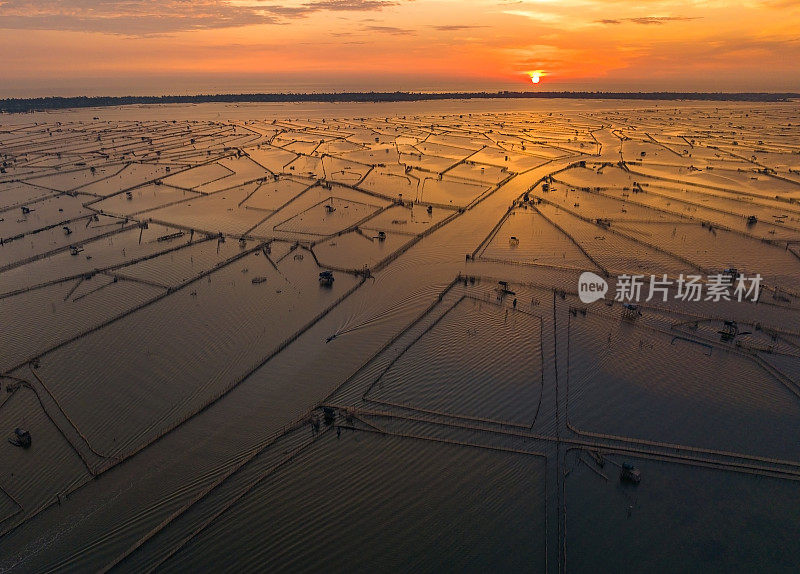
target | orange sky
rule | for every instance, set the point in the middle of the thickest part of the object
(149, 47)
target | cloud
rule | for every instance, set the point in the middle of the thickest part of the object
(646, 20)
(391, 30)
(781, 3)
(538, 15)
(659, 19)
(148, 18)
(456, 27)
(349, 5)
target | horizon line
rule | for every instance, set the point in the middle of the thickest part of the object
(44, 103)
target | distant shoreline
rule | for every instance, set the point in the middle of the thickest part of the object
(25, 105)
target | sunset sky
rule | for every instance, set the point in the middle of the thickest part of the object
(60, 47)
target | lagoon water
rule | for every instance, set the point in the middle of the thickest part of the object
(198, 398)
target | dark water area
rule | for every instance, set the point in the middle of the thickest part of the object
(200, 395)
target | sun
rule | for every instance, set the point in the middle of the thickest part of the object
(536, 75)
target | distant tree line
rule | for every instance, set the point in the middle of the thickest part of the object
(17, 105)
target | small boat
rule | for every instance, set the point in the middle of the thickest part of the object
(731, 272)
(602, 222)
(730, 330)
(21, 438)
(630, 473)
(503, 288)
(631, 311)
(170, 236)
(502, 291)
(326, 278)
(258, 280)
(598, 458)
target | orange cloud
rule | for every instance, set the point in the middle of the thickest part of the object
(252, 45)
